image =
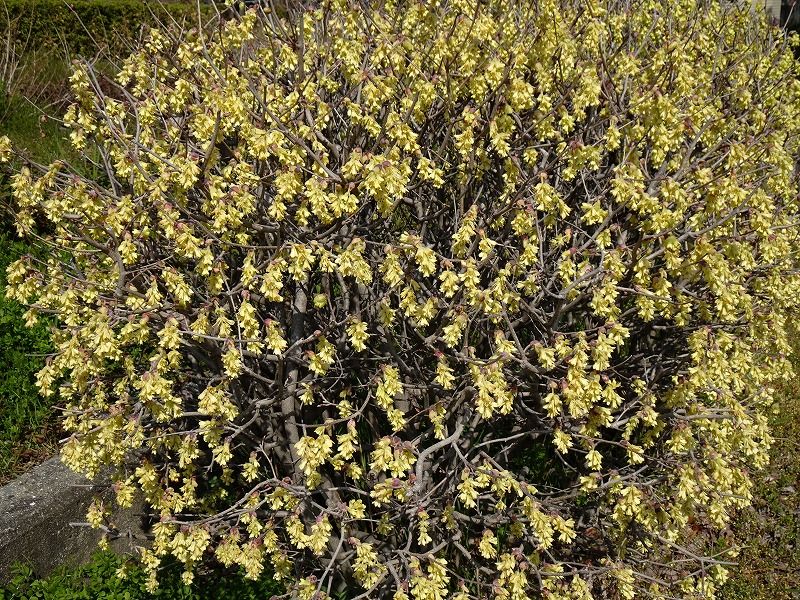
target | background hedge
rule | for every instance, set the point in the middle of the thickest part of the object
(84, 26)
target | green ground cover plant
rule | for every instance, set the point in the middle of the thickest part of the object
(100, 580)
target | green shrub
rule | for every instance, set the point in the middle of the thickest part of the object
(83, 27)
(346, 269)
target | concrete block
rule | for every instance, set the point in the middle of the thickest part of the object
(36, 512)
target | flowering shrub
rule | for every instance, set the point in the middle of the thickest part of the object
(463, 299)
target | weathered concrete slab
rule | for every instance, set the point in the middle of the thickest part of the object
(36, 510)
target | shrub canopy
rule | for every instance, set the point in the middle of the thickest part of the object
(460, 299)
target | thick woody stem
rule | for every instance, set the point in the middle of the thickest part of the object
(289, 402)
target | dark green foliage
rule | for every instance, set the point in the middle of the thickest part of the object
(84, 26)
(98, 581)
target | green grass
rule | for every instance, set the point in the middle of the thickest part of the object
(98, 580)
(39, 135)
(28, 432)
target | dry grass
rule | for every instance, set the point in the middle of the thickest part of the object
(769, 565)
